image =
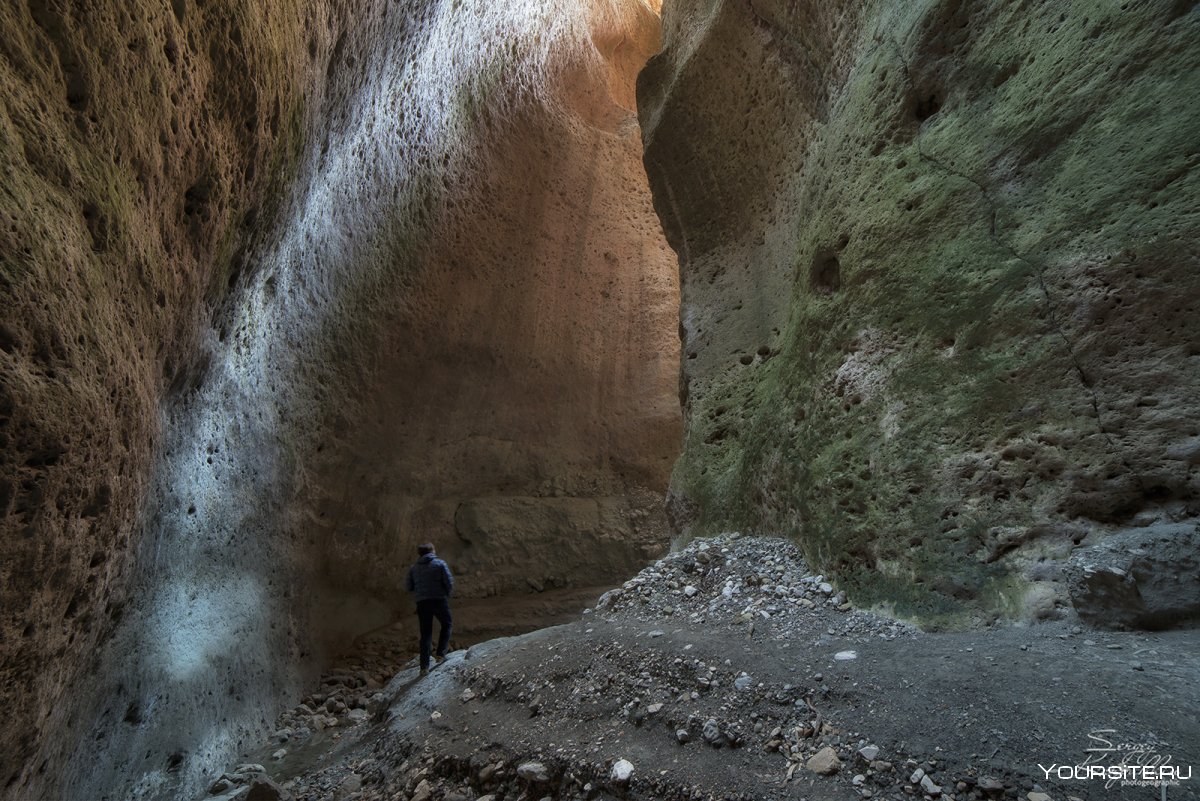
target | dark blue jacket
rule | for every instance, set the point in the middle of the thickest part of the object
(430, 579)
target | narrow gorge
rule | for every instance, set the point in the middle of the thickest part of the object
(749, 325)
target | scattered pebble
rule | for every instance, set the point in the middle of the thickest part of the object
(825, 762)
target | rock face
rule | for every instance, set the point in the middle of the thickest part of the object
(529, 386)
(288, 288)
(1147, 578)
(136, 161)
(939, 283)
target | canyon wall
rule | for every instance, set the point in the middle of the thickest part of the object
(137, 162)
(289, 288)
(940, 284)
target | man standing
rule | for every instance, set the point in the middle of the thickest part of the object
(429, 580)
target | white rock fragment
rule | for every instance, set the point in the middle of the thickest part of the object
(868, 753)
(423, 791)
(533, 772)
(622, 771)
(929, 787)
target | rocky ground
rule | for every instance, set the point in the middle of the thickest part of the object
(729, 671)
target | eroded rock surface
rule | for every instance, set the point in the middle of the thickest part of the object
(284, 286)
(939, 283)
(136, 161)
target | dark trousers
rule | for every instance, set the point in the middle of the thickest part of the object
(426, 612)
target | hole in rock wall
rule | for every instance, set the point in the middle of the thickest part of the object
(927, 106)
(826, 274)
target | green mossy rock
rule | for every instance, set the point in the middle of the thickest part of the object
(958, 336)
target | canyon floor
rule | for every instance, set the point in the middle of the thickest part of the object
(728, 671)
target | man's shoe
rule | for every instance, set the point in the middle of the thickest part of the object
(437, 660)
(424, 672)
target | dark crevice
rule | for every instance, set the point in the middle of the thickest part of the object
(826, 275)
(927, 107)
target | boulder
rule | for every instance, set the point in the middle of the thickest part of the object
(1145, 578)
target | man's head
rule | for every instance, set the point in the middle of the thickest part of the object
(425, 548)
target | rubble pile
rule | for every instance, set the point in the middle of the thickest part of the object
(759, 582)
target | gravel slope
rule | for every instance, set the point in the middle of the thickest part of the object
(727, 671)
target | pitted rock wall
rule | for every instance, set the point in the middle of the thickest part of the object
(137, 162)
(939, 283)
(505, 381)
(229, 229)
